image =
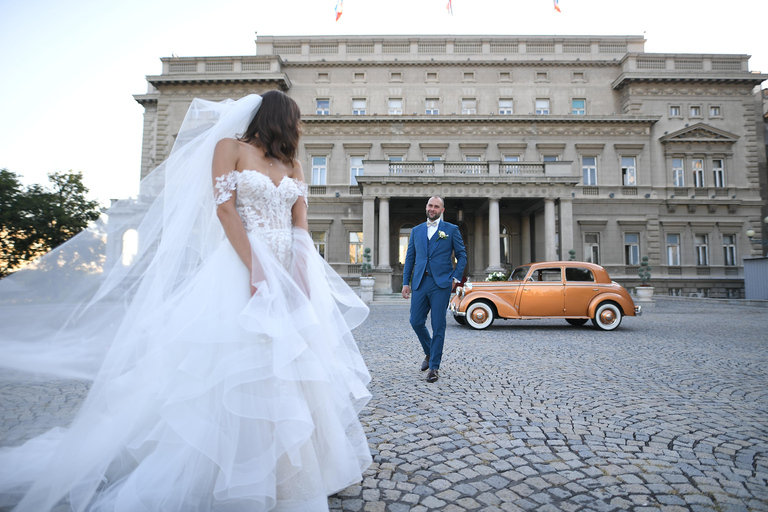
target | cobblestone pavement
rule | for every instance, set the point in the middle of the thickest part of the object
(669, 412)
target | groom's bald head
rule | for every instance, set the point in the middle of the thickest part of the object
(435, 208)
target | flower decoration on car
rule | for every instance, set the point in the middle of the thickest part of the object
(497, 276)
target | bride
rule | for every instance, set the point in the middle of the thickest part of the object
(225, 376)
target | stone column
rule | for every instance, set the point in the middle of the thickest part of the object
(494, 264)
(478, 249)
(566, 228)
(525, 239)
(550, 250)
(383, 233)
(368, 224)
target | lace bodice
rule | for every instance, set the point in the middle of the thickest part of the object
(264, 207)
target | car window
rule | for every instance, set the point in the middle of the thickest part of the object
(519, 274)
(579, 274)
(548, 275)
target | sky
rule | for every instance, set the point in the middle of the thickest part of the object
(69, 70)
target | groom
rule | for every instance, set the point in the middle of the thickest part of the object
(428, 261)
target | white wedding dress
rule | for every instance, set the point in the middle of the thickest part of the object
(216, 400)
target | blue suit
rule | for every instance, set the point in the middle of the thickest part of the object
(429, 271)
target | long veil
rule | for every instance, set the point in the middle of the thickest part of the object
(83, 310)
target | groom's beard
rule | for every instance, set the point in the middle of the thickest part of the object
(436, 217)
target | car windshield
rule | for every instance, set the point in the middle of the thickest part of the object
(519, 274)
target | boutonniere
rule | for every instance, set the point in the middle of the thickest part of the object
(441, 234)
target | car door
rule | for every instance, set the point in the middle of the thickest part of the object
(542, 293)
(580, 288)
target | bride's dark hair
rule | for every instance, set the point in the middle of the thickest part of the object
(276, 127)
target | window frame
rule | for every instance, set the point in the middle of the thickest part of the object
(543, 111)
(628, 172)
(431, 106)
(585, 168)
(678, 172)
(318, 109)
(505, 110)
(352, 169)
(322, 170)
(356, 111)
(466, 109)
(578, 111)
(589, 247)
(318, 243)
(698, 173)
(718, 173)
(676, 245)
(390, 109)
(631, 249)
(359, 247)
(729, 250)
(701, 249)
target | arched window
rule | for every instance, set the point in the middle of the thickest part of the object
(130, 246)
(405, 236)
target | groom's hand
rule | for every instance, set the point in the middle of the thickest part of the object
(406, 291)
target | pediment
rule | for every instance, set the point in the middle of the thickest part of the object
(700, 132)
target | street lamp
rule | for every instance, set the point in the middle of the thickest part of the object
(751, 235)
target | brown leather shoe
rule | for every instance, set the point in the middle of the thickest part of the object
(425, 364)
(432, 376)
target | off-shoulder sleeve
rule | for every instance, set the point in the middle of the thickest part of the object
(303, 190)
(225, 185)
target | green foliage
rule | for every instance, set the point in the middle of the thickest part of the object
(366, 268)
(571, 255)
(644, 271)
(34, 219)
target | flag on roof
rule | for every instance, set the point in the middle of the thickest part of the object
(449, 7)
(557, 5)
(339, 8)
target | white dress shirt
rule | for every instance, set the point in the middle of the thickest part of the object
(432, 228)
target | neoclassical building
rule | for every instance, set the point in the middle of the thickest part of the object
(543, 148)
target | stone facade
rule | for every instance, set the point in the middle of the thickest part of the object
(539, 145)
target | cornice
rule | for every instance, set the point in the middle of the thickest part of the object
(464, 119)
(699, 78)
(281, 79)
(287, 63)
(146, 99)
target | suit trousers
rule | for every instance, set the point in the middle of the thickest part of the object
(428, 297)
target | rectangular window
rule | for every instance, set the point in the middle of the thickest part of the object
(549, 158)
(434, 158)
(505, 107)
(355, 168)
(589, 169)
(592, 248)
(632, 248)
(431, 76)
(319, 238)
(697, 165)
(718, 174)
(395, 76)
(695, 111)
(359, 106)
(469, 106)
(358, 76)
(542, 107)
(729, 250)
(395, 106)
(674, 111)
(468, 76)
(628, 172)
(355, 246)
(579, 107)
(432, 106)
(714, 111)
(323, 107)
(319, 170)
(678, 172)
(701, 245)
(673, 250)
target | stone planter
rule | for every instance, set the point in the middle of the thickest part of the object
(644, 293)
(366, 289)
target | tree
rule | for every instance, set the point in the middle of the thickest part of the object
(34, 220)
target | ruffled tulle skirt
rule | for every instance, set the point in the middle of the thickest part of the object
(230, 402)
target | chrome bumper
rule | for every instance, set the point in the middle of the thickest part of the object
(638, 310)
(452, 309)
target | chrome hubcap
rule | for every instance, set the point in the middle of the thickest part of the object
(607, 317)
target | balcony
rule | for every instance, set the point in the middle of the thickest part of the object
(526, 171)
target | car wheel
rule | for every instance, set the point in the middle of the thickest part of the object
(460, 320)
(607, 316)
(479, 315)
(576, 321)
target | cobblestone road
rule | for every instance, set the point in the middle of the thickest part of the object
(669, 412)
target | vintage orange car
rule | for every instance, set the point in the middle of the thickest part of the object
(574, 290)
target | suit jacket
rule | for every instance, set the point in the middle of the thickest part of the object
(434, 255)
